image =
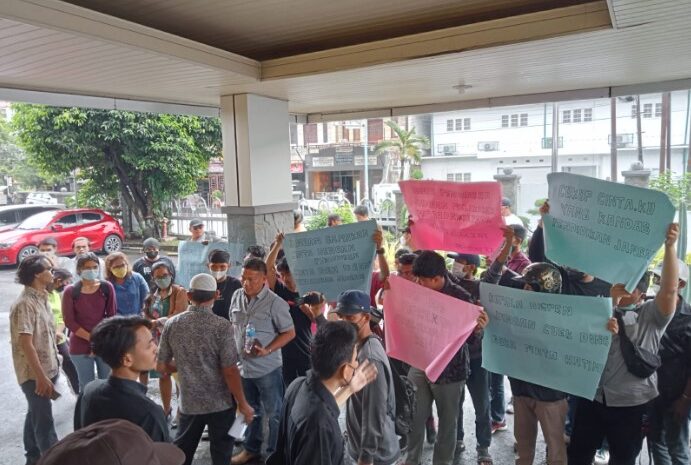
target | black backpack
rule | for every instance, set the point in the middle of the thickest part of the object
(406, 396)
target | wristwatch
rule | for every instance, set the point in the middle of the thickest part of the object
(381, 251)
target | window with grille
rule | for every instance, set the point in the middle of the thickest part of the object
(566, 116)
(647, 110)
(449, 125)
(577, 116)
(505, 121)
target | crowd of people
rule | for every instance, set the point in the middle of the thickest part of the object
(261, 369)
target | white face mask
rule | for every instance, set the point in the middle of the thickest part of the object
(458, 268)
(219, 274)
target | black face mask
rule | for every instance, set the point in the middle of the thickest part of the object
(152, 255)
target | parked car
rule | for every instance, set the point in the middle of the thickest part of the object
(41, 198)
(103, 231)
(12, 215)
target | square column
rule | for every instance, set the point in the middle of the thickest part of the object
(256, 168)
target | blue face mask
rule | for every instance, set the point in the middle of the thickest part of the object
(89, 275)
(163, 283)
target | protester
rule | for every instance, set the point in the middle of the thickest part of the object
(165, 301)
(478, 378)
(131, 289)
(112, 442)
(535, 404)
(334, 219)
(61, 279)
(430, 271)
(143, 265)
(84, 305)
(296, 354)
(34, 354)
(371, 434)
(465, 266)
(309, 431)
(49, 247)
(361, 213)
(508, 217)
(255, 251)
(218, 262)
(81, 246)
(200, 347)
(670, 419)
(298, 222)
(198, 234)
(621, 399)
(256, 309)
(128, 347)
(517, 259)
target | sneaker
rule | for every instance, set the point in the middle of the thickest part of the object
(431, 431)
(601, 457)
(499, 426)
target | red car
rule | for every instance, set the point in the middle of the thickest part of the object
(104, 232)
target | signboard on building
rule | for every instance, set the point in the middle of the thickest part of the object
(360, 160)
(296, 167)
(322, 162)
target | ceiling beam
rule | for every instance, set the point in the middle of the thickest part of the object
(65, 17)
(532, 26)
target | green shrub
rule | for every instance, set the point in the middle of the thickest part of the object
(320, 220)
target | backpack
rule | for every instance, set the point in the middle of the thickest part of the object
(406, 396)
(77, 290)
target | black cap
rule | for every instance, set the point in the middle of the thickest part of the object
(470, 259)
(196, 222)
(353, 302)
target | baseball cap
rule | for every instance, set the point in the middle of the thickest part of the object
(112, 442)
(151, 242)
(196, 222)
(203, 282)
(470, 259)
(505, 202)
(352, 302)
(683, 270)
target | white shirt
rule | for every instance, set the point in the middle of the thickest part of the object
(513, 219)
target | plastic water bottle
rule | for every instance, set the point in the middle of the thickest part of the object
(250, 335)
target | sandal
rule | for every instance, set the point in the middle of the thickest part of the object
(483, 457)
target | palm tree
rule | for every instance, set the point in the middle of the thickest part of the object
(407, 145)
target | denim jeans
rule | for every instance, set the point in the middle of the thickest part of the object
(670, 445)
(497, 403)
(39, 429)
(478, 386)
(265, 395)
(191, 427)
(86, 366)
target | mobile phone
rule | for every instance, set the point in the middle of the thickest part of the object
(55, 395)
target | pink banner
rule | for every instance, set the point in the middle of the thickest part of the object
(460, 217)
(425, 328)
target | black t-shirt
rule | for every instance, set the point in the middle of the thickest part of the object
(299, 347)
(227, 287)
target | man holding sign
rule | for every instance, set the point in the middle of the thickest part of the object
(439, 384)
(622, 397)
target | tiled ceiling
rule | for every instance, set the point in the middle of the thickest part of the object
(263, 29)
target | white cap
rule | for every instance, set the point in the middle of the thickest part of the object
(683, 270)
(203, 282)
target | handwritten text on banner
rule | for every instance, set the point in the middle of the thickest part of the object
(603, 228)
(463, 217)
(552, 340)
(425, 336)
(332, 260)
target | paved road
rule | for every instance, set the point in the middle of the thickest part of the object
(14, 405)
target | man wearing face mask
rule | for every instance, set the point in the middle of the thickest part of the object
(218, 262)
(61, 279)
(517, 259)
(143, 265)
(371, 431)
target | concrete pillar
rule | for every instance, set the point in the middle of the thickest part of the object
(637, 175)
(510, 184)
(256, 168)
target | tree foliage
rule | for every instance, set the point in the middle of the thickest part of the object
(407, 145)
(14, 163)
(149, 159)
(677, 188)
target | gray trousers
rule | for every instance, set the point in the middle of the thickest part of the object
(447, 397)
